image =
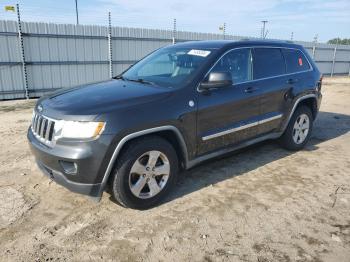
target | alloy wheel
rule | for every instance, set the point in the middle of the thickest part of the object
(149, 174)
(301, 128)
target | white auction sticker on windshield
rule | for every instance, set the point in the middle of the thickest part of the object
(203, 53)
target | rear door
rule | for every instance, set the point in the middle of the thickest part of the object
(270, 78)
(229, 115)
(298, 70)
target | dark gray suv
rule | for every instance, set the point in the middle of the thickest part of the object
(177, 107)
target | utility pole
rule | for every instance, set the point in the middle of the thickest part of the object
(76, 11)
(174, 31)
(263, 35)
(291, 36)
(223, 29)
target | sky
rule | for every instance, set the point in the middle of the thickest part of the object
(305, 18)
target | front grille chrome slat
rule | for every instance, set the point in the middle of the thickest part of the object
(43, 129)
(37, 128)
(51, 131)
(40, 125)
(47, 135)
(35, 118)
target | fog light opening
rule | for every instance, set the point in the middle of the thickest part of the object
(70, 168)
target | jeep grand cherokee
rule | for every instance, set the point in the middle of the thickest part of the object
(177, 107)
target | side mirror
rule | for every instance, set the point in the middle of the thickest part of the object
(217, 80)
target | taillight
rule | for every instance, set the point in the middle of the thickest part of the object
(319, 84)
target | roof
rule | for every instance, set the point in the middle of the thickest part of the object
(218, 44)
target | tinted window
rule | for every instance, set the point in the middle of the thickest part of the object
(295, 60)
(238, 63)
(268, 62)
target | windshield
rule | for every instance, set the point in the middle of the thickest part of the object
(168, 67)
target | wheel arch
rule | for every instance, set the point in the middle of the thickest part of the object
(309, 100)
(170, 133)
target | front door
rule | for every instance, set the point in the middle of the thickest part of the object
(229, 115)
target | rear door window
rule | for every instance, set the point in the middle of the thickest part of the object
(295, 61)
(268, 62)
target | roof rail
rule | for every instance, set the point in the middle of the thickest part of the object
(267, 40)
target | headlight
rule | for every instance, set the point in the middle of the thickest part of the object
(77, 129)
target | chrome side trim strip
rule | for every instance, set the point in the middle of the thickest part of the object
(226, 132)
(232, 130)
(270, 119)
(138, 134)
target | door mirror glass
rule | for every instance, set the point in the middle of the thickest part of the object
(217, 80)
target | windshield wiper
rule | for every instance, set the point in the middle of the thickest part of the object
(140, 80)
(119, 77)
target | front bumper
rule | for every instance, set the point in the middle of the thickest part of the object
(90, 158)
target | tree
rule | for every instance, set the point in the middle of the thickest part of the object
(345, 41)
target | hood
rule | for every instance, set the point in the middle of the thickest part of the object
(95, 99)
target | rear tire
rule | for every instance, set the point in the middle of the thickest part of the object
(299, 129)
(145, 173)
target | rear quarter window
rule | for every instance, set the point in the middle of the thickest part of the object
(295, 61)
(268, 62)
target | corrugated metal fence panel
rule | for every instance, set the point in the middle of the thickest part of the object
(60, 55)
(11, 81)
(342, 59)
(131, 44)
(64, 55)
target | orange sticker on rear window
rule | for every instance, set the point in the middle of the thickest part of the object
(300, 61)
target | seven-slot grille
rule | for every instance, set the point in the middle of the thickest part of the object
(43, 128)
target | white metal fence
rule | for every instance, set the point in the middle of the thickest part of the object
(54, 56)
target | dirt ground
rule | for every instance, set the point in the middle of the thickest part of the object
(261, 204)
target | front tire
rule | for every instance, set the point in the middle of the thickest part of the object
(299, 129)
(145, 173)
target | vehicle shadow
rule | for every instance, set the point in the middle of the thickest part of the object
(327, 126)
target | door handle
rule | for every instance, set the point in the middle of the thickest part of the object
(251, 89)
(292, 81)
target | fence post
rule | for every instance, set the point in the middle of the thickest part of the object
(110, 53)
(313, 51)
(174, 32)
(24, 67)
(314, 47)
(334, 57)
